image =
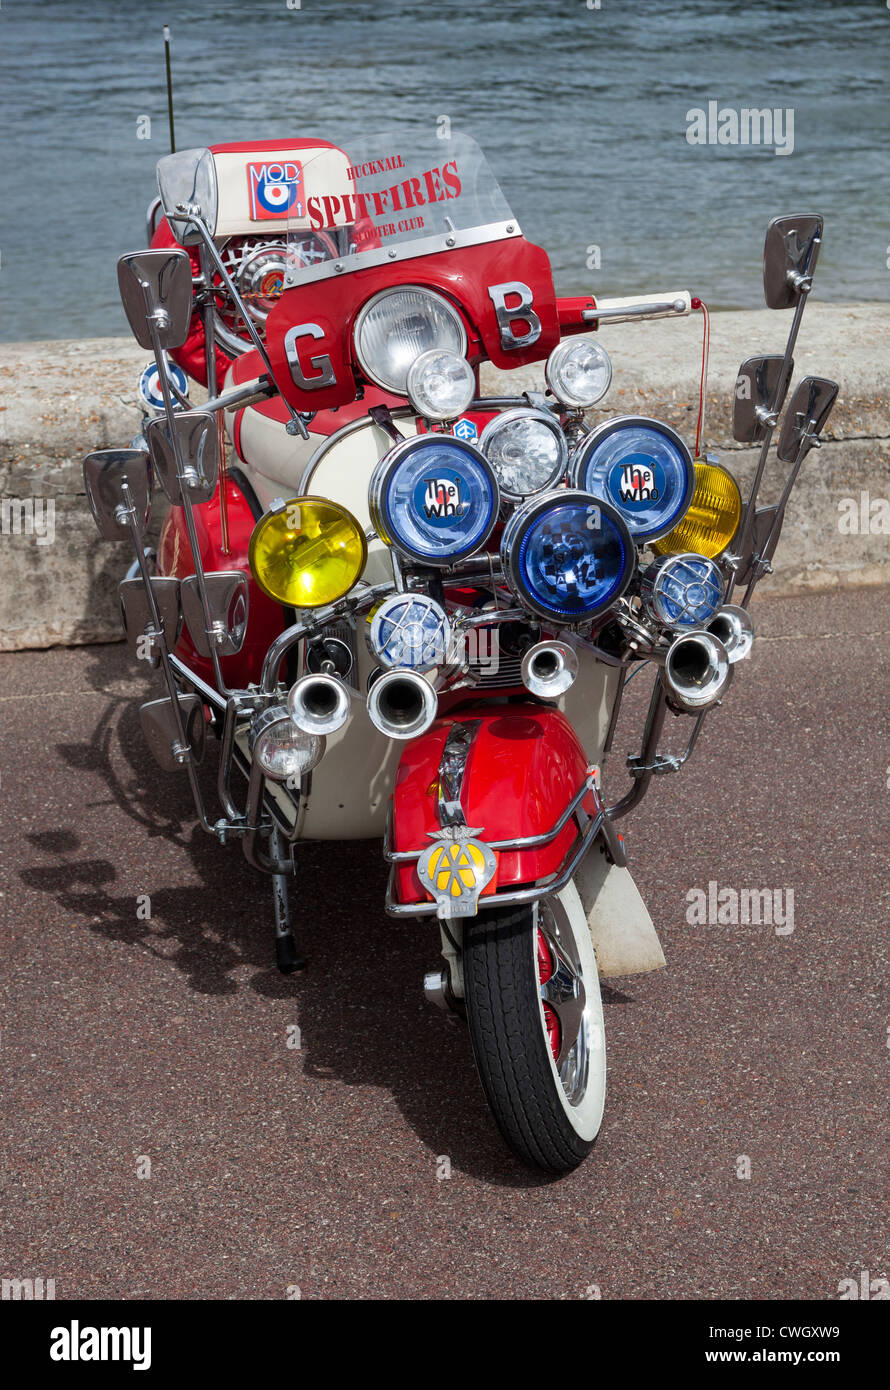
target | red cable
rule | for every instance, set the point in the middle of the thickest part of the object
(706, 348)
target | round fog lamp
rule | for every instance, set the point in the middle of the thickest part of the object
(410, 630)
(440, 384)
(307, 552)
(434, 498)
(567, 555)
(527, 450)
(280, 748)
(643, 468)
(682, 590)
(578, 372)
(713, 516)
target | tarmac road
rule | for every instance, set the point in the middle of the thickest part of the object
(273, 1168)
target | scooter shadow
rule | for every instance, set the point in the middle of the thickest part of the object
(360, 1006)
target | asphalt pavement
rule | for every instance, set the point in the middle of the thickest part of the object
(180, 1121)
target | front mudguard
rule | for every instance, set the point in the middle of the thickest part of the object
(525, 764)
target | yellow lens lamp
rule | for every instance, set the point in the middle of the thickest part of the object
(307, 552)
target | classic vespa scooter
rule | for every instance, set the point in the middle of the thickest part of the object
(409, 611)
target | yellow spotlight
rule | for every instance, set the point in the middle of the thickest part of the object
(713, 517)
(307, 552)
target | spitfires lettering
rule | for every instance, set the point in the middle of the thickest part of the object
(340, 210)
(637, 483)
(275, 190)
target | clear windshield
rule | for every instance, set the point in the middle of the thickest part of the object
(389, 197)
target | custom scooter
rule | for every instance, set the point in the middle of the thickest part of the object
(402, 609)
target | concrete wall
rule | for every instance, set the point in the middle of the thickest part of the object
(59, 400)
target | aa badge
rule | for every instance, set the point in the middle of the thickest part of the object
(455, 869)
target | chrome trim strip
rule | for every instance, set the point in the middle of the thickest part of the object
(315, 458)
(408, 250)
(408, 856)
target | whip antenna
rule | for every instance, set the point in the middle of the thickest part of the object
(169, 87)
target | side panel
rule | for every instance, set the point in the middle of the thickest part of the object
(524, 766)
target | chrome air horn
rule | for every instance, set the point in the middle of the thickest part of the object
(319, 704)
(697, 671)
(549, 669)
(402, 704)
(732, 626)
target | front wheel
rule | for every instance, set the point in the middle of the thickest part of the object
(535, 1017)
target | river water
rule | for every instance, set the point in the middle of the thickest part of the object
(582, 111)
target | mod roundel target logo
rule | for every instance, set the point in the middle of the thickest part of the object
(275, 190)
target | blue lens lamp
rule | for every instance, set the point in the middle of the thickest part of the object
(434, 499)
(642, 468)
(567, 555)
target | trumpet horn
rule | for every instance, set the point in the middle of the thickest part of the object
(697, 671)
(402, 704)
(732, 625)
(549, 669)
(319, 704)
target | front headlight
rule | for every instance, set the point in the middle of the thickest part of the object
(281, 749)
(396, 326)
(307, 552)
(527, 450)
(567, 555)
(434, 498)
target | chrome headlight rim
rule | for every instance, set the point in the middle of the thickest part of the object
(367, 308)
(555, 363)
(580, 458)
(380, 513)
(507, 418)
(520, 524)
(654, 577)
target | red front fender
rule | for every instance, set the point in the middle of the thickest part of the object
(525, 765)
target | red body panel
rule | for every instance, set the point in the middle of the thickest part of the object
(463, 275)
(265, 619)
(524, 766)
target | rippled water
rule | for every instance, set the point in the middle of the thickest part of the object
(581, 111)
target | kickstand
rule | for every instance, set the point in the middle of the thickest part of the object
(287, 956)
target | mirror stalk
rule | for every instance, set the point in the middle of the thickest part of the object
(295, 425)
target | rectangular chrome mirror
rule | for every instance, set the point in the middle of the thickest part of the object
(755, 397)
(228, 599)
(136, 614)
(158, 285)
(118, 482)
(158, 720)
(197, 433)
(806, 417)
(187, 183)
(790, 253)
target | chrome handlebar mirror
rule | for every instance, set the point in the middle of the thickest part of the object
(806, 418)
(156, 292)
(759, 397)
(790, 253)
(187, 183)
